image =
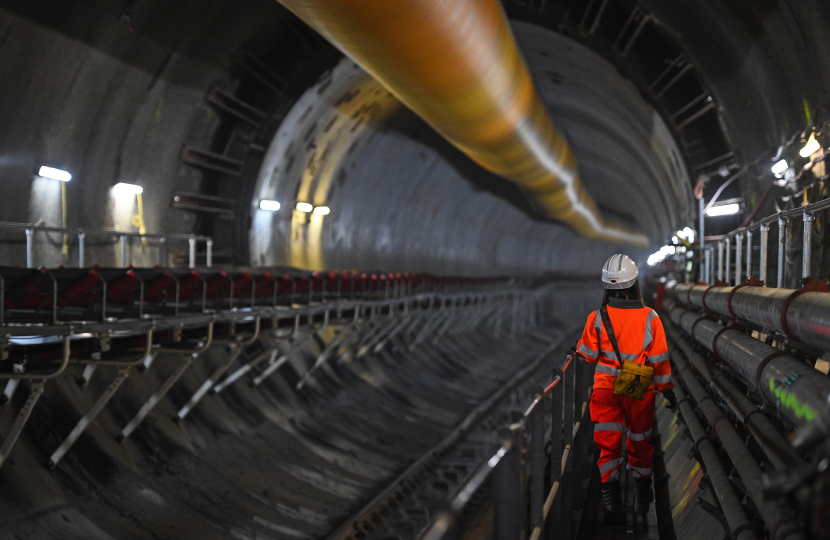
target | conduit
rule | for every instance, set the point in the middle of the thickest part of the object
(457, 66)
(777, 517)
(779, 452)
(806, 317)
(798, 391)
(736, 516)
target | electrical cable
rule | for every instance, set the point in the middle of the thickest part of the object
(724, 186)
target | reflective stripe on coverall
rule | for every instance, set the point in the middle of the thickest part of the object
(641, 339)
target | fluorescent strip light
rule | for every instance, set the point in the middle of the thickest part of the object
(128, 189)
(271, 206)
(304, 207)
(811, 147)
(724, 210)
(780, 167)
(54, 174)
(321, 210)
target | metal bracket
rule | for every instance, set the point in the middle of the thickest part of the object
(809, 285)
(20, 421)
(90, 416)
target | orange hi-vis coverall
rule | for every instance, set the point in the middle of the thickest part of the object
(641, 339)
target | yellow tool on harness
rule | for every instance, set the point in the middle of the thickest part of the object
(634, 379)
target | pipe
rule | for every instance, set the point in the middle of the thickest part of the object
(798, 391)
(777, 517)
(779, 452)
(807, 316)
(736, 517)
(457, 66)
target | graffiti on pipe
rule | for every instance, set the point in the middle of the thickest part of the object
(789, 400)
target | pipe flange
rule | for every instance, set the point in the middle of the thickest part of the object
(692, 329)
(809, 285)
(714, 347)
(761, 365)
(750, 282)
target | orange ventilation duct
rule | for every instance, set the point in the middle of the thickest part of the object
(456, 64)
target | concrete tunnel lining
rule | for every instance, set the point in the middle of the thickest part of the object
(343, 138)
(130, 101)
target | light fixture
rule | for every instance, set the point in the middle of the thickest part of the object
(811, 147)
(321, 210)
(724, 210)
(780, 167)
(127, 189)
(54, 174)
(304, 207)
(271, 206)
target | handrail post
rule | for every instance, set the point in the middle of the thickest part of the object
(806, 252)
(537, 463)
(29, 263)
(508, 488)
(209, 253)
(728, 258)
(708, 255)
(557, 398)
(163, 252)
(738, 257)
(192, 258)
(748, 253)
(567, 487)
(81, 246)
(782, 246)
(764, 248)
(123, 241)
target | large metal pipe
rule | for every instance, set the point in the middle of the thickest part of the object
(807, 315)
(457, 66)
(779, 452)
(798, 391)
(777, 517)
(734, 512)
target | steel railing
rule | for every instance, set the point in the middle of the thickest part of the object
(724, 247)
(123, 237)
(516, 465)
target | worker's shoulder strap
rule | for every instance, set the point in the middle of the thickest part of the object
(606, 322)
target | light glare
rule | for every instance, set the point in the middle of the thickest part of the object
(54, 174)
(811, 147)
(304, 207)
(271, 206)
(724, 210)
(780, 167)
(124, 188)
(321, 210)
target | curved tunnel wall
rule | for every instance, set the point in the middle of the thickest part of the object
(403, 199)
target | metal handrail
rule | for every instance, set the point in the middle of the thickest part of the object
(806, 213)
(544, 516)
(81, 233)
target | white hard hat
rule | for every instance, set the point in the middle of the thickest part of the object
(619, 272)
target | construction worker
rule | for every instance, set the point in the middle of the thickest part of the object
(638, 348)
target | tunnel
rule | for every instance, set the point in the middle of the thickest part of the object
(273, 270)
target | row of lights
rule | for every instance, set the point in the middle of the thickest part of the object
(687, 235)
(308, 208)
(64, 176)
